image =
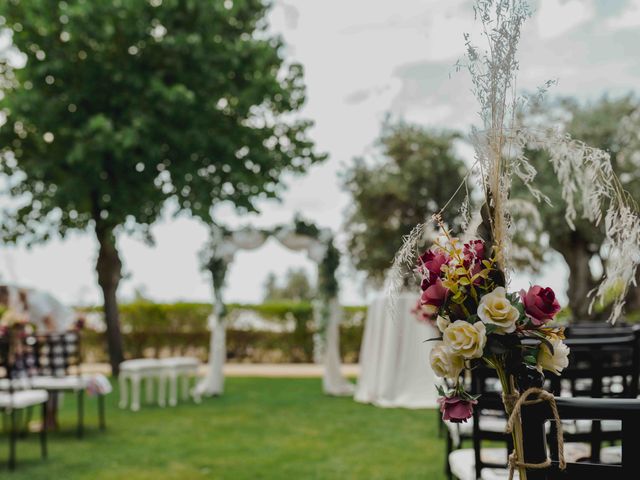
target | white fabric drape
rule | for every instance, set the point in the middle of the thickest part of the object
(213, 382)
(394, 357)
(248, 239)
(333, 383)
(44, 311)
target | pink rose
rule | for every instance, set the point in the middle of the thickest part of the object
(455, 409)
(431, 264)
(435, 294)
(540, 304)
(424, 313)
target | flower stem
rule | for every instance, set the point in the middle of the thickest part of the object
(508, 389)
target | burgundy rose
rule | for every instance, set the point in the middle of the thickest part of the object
(456, 409)
(473, 252)
(540, 304)
(435, 294)
(432, 262)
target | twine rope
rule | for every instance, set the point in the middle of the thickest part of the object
(514, 402)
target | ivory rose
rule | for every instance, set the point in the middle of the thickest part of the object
(496, 309)
(444, 363)
(553, 362)
(442, 323)
(465, 339)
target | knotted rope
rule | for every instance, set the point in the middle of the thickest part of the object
(514, 402)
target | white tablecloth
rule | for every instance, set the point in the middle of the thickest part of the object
(394, 357)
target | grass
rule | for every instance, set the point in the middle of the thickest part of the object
(259, 429)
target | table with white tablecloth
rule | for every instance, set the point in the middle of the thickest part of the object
(394, 356)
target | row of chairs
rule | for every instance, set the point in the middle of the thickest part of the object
(604, 365)
(35, 369)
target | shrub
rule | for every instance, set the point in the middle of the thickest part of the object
(155, 329)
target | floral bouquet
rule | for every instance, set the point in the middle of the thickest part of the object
(463, 291)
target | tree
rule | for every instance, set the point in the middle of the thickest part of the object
(416, 175)
(605, 124)
(123, 105)
(296, 287)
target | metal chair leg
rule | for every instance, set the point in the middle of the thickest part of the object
(101, 413)
(13, 437)
(43, 432)
(80, 413)
(25, 420)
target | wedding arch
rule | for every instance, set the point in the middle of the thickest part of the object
(318, 243)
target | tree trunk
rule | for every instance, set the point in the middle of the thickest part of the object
(109, 268)
(577, 255)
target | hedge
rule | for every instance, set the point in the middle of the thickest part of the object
(155, 329)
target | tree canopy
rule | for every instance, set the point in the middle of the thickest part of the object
(295, 286)
(610, 124)
(414, 176)
(123, 105)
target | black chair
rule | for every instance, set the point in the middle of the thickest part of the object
(599, 367)
(486, 431)
(599, 329)
(17, 398)
(57, 366)
(534, 418)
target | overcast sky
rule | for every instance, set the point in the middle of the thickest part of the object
(362, 58)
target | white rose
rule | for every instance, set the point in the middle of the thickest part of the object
(496, 309)
(555, 362)
(442, 323)
(445, 363)
(465, 339)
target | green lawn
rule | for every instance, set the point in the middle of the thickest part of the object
(260, 429)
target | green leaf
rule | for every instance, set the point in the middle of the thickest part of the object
(434, 339)
(491, 328)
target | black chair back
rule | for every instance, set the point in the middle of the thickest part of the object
(601, 367)
(534, 418)
(16, 364)
(5, 349)
(55, 354)
(599, 329)
(485, 382)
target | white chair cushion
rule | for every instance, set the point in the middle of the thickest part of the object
(70, 382)
(611, 455)
(17, 383)
(180, 362)
(23, 398)
(462, 463)
(140, 364)
(487, 422)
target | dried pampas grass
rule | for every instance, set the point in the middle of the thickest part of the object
(589, 186)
